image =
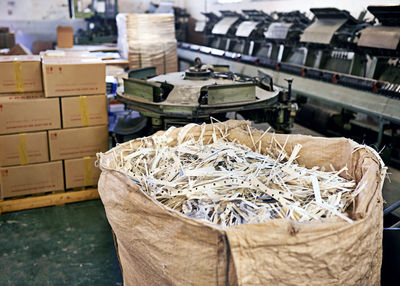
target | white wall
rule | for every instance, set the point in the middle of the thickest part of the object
(33, 10)
(195, 7)
(140, 6)
(30, 10)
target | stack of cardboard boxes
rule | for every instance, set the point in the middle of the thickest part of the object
(50, 132)
(148, 40)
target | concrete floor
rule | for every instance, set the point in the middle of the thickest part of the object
(63, 245)
(73, 245)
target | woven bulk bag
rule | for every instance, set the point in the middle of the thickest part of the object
(159, 246)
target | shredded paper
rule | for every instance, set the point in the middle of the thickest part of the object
(228, 183)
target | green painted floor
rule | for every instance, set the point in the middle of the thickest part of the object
(63, 245)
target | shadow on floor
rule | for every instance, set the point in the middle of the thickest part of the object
(64, 245)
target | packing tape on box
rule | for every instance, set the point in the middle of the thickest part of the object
(22, 152)
(19, 83)
(88, 171)
(84, 111)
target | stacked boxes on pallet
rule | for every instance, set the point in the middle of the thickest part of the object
(148, 40)
(25, 117)
(51, 131)
(78, 81)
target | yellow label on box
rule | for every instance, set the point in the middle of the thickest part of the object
(19, 83)
(84, 111)
(22, 151)
(88, 181)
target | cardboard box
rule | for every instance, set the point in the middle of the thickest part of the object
(18, 114)
(64, 76)
(79, 111)
(24, 148)
(81, 172)
(20, 74)
(31, 179)
(65, 37)
(77, 142)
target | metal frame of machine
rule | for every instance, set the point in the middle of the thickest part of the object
(331, 42)
(250, 31)
(204, 91)
(382, 44)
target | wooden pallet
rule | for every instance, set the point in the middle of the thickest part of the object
(46, 200)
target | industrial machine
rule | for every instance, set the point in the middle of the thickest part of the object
(382, 44)
(283, 38)
(205, 91)
(206, 27)
(181, 23)
(100, 18)
(331, 42)
(225, 29)
(250, 33)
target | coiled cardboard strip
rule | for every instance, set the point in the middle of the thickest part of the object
(19, 83)
(84, 111)
(88, 171)
(22, 150)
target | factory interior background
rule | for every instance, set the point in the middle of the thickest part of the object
(208, 142)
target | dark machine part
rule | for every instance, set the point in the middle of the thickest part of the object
(331, 42)
(197, 71)
(294, 17)
(224, 31)
(299, 22)
(128, 128)
(288, 108)
(101, 23)
(206, 28)
(346, 26)
(282, 37)
(181, 23)
(391, 245)
(289, 91)
(382, 43)
(266, 79)
(257, 15)
(250, 32)
(293, 52)
(387, 15)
